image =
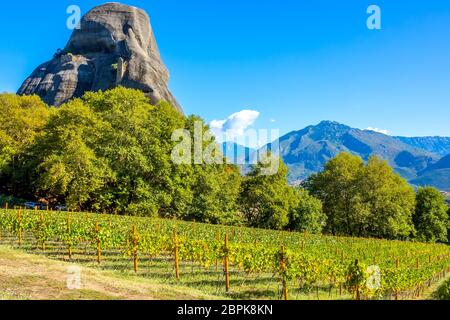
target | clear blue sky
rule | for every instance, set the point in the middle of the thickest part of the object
(296, 62)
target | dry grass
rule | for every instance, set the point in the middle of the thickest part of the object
(29, 277)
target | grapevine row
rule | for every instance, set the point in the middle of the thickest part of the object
(291, 257)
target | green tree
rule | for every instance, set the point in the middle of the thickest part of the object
(266, 199)
(23, 118)
(108, 151)
(112, 151)
(215, 193)
(67, 168)
(306, 214)
(337, 188)
(364, 200)
(388, 202)
(214, 186)
(430, 216)
(134, 142)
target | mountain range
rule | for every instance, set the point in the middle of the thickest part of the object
(422, 161)
(437, 145)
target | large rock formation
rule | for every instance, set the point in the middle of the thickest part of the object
(114, 46)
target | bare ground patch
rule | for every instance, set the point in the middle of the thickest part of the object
(25, 276)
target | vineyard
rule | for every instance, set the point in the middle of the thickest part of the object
(238, 263)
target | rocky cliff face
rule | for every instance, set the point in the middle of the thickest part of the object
(115, 46)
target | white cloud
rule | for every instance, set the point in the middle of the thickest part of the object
(235, 125)
(386, 132)
(272, 120)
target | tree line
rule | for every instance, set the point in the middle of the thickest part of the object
(111, 152)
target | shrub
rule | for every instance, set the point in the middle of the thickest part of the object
(443, 292)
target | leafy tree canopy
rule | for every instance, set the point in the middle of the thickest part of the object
(431, 217)
(366, 200)
(111, 151)
(24, 118)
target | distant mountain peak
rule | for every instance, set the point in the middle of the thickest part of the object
(306, 151)
(328, 123)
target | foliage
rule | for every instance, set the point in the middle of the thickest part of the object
(430, 218)
(214, 186)
(364, 200)
(337, 188)
(10, 200)
(67, 168)
(24, 119)
(265, 200)
(306, 214)
(319, 260)
(389, 202)
(443, 292)
(357, 277)
(111, 152)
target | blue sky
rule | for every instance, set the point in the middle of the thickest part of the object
(294, 62)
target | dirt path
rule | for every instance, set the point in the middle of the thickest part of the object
(25, 276)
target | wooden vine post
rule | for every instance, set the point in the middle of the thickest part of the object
(226, 265)
(418, 268)
(177, 255)
(19, 226)
(340, 282)
(283, 270)
(397, 265)
(69, 231)
(99, 247)
(218, 240)
(358, 287)
(135, 249)
(42, 226)
(6, 206)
